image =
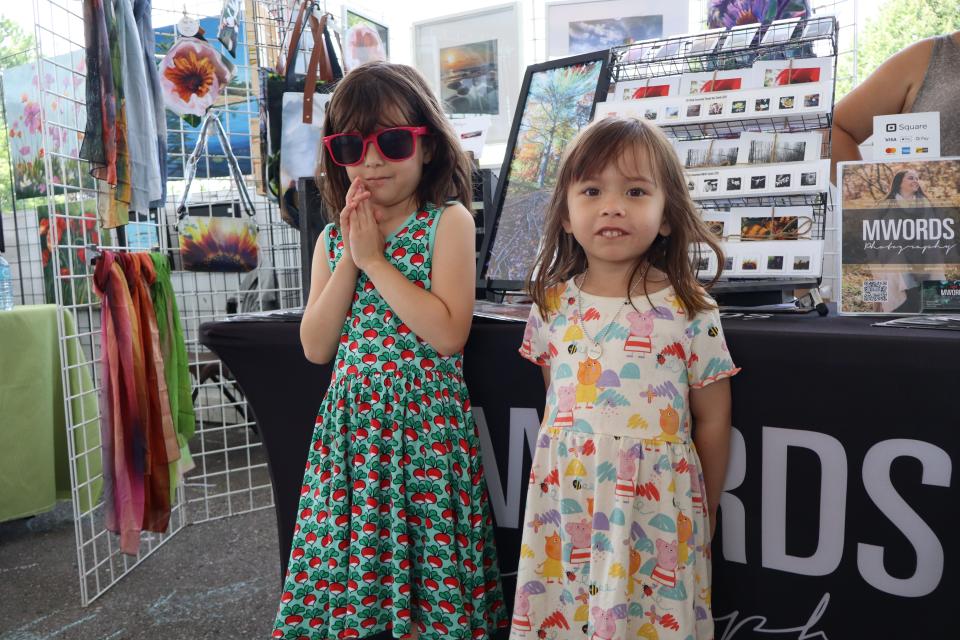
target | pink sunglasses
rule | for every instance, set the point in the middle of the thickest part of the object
(395, 144)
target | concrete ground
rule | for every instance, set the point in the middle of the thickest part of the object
(217, 579)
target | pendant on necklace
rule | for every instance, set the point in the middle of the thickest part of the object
(595, 351)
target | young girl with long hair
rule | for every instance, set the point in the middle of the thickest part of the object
(632, 452)
(394, 531)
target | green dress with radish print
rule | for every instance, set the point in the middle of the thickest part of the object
(394, 524)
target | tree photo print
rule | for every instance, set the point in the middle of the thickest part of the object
(559, 102)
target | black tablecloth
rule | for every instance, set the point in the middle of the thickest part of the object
(839, 509)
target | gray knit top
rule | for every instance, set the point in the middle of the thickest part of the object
(940, 91)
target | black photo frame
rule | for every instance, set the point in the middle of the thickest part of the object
(506, 179)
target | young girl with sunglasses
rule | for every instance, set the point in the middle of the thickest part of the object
(632, 452)
(394, 531)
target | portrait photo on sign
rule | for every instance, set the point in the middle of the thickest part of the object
(899, 227)
(581, 26)
(556, 102)
(468, 78)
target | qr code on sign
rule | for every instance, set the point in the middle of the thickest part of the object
(875, 291)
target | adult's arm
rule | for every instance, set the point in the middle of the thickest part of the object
(890, 89)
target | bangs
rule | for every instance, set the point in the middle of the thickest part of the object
(362, 102)
(626, 144)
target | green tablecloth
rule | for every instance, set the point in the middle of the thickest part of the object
(34, 460)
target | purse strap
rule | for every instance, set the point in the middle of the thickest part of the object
(190, 167)
(306, 8)
(319, 57)
(319, 63)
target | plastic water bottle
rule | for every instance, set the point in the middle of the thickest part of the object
(6, 285)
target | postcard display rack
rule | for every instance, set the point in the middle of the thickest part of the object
(749, 111)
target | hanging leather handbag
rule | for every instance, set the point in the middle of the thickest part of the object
(217, 243)
(322, 72)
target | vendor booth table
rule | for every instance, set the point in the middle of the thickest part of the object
(839, 509)
(34, 461)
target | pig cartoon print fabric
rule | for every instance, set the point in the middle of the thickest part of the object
(615, 534)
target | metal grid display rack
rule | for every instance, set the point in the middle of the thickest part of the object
(229, 476)
(705, 52)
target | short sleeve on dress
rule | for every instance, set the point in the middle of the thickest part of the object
(536, 339)
(709, 359)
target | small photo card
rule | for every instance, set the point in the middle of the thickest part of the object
(716, 81)
(716, 222)
(780, 73)
(779, 148)
(735, 183)
(648, 88)
(818, 27)
(705, 42)
(740, 37)
(700, 154)
(786, 102)
(780, 31)
(784, 180)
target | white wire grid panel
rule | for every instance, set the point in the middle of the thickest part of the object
(230, 475)
(20, 234)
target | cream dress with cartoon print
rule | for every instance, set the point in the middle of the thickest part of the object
(614, 535)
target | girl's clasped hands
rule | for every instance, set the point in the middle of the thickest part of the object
(363, 241)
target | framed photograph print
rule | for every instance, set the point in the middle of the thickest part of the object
(557, 99)
(472, 62)
(364, 39)
(575, 27)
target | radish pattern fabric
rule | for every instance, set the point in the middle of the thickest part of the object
(394, 524)
(615, 541)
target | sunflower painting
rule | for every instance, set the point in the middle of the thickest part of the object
(193, 75)
(225, 245)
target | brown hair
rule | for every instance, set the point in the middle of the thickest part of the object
(358, 104)
(602, 143)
